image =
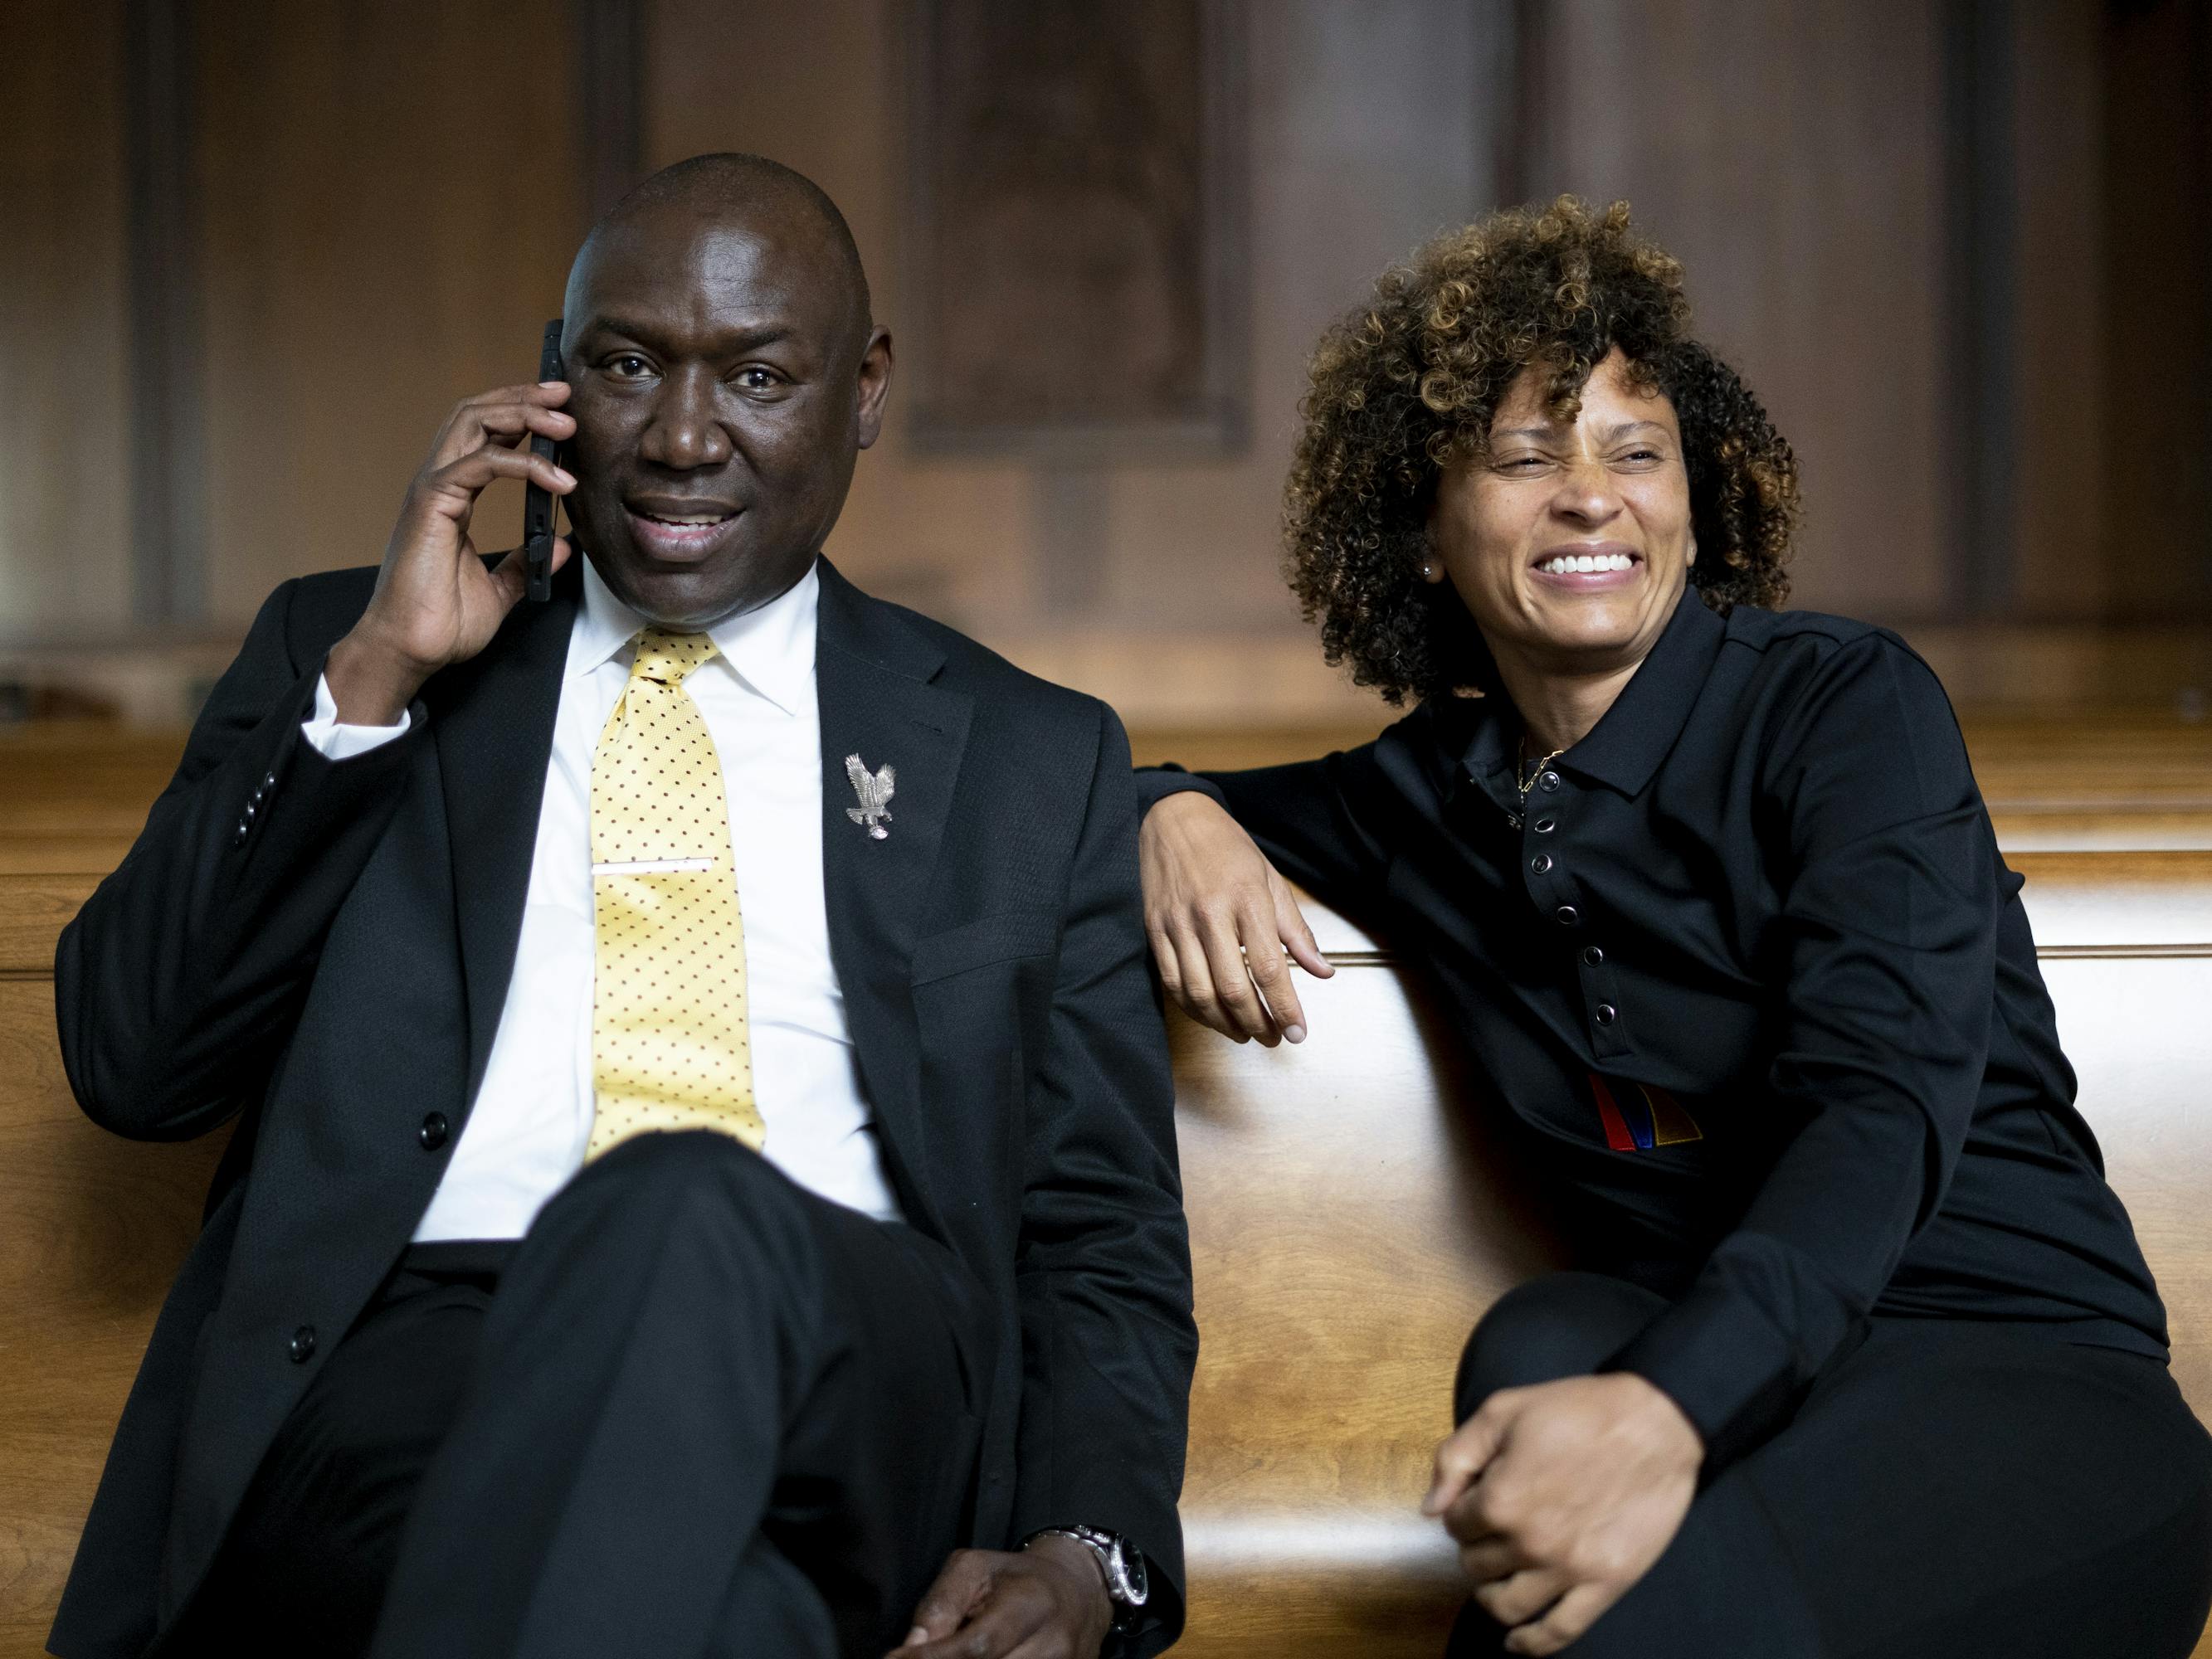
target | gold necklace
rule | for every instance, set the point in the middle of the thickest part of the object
(1529, 782)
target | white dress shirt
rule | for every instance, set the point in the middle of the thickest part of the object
(526, 1133)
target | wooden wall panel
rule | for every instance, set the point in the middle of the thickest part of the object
(64, 456)
(947, 539)
(1790, 156)
(392, 200)
(1362, 134)
(2060, 566)
(2158, 317)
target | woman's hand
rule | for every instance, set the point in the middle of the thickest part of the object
(1221, 919)
(1561, 1495)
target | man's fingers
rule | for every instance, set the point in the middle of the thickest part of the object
(1568, 1622)
(459, 482)
(508, 424)
(1006, 1618)
(950, 1595)
(464, 428)
(511, 575)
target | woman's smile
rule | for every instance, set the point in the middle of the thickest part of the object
(1594, 567)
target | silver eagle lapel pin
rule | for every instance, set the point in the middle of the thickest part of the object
(874, 789)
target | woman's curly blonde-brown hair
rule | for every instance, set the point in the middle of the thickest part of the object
(1410, 382)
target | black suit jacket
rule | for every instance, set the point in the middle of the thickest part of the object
(326, 947)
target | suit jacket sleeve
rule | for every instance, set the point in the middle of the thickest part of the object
(177, 983)
(1108, 1338)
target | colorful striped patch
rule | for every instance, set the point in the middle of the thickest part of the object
(1638, 1116)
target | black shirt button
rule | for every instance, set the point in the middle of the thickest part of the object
(1541, 863)
(1605, 1013)
(1545, 826)
(269, 782)
(245, 830)
(1568, 915)
(302, 1346)
(434, 1131)
(252, 807)
(1547, 781)
(1592, 955)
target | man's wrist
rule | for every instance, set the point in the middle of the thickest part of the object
(1117, 1566)
(370, 685)
(1079, 1555)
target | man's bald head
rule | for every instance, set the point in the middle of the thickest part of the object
(750, 192)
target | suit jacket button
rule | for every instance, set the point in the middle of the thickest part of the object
(1605, 1013)
(432, 1133)
(1567, 916)
(302, 1346)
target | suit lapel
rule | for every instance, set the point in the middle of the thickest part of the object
(872, 674)
(493, 718)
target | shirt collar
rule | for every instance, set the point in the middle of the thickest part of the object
(1624, 748)
(771, 648)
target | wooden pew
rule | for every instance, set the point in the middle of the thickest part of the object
(1350, 1217)
(76, 791)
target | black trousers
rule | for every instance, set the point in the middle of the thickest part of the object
(699, 1411)
(1945, 1489)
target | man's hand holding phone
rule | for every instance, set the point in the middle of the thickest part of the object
(435, 603)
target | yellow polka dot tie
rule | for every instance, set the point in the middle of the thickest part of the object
(669, 1049)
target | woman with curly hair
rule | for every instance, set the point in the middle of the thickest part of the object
(1869, 1362)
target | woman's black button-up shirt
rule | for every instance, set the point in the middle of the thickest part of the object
(1747, 963)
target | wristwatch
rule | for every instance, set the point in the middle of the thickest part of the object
(1120, 1563)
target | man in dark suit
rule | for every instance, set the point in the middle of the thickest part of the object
(706, 1150)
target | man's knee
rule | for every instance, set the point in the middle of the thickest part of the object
(1564, 1324)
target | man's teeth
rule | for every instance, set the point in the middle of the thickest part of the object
(1585, 564)
(686, 519)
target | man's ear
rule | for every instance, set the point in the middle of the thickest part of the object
(1692, 559)
(873, 386)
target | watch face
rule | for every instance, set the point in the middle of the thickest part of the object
(1131, 1561)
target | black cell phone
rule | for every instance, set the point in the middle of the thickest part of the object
(537, 501)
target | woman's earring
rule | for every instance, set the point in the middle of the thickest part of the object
(1428, 570)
